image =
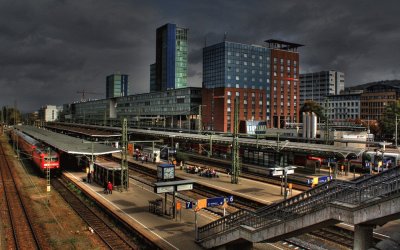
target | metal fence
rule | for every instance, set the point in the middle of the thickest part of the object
(355, 193)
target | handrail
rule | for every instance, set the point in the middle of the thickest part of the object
(351, 192)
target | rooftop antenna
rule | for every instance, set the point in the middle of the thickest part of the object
(225, 35)
(205, 41)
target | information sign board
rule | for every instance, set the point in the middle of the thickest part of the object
(213, 202)
(166, 189)
(185, 187)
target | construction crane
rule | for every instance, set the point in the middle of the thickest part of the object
(83, 92)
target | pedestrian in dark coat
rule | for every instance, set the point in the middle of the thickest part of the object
(105, 187)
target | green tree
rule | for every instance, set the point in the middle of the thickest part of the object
(10, 116)
(311, 106)
(387, 124)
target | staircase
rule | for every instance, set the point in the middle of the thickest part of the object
(369, 199)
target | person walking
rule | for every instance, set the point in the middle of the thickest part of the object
(109, 187)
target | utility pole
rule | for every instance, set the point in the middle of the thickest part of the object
(124, 158)
(235, 146)
(48, 175)
(396, 133)
(200, 122)
(326, 122)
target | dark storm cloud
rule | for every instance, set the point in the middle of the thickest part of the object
(51, 49)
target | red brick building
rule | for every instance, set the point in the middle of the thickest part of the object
(264, 79)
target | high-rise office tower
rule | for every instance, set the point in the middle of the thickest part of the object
(262, 78)
(117, 85)
(317, 85)
(171, 58)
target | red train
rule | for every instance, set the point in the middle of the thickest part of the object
(42, 157)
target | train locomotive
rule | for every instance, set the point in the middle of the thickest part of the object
(42, 157)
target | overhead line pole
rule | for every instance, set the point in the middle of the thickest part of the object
(235, 146)
(124, 162)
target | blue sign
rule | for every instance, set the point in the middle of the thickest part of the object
(229, 199)
(324, 179)
(190, 204)
(320, 179)
(214, 202)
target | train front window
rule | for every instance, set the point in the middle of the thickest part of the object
(50, 159)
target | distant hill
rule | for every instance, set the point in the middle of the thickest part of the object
(366, 85)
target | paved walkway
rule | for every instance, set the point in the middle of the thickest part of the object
(179, 233)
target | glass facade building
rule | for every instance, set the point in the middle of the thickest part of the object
(116, 86)
(263, 79)
(171, 58)
(235, 65)
(174, 109)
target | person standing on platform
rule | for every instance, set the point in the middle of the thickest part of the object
(109, 187)
(105, 187)
(89, 177)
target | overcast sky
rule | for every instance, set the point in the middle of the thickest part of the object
(51, 49)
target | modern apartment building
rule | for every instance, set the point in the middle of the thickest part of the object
(116, 85)
(262, 78)
(316, 86)
(170, 70)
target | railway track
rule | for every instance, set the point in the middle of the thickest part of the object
(21, 228)
(105, 231)
(333, 234)
(299, 183)
(199, 191)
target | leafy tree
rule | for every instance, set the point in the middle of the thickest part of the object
(10, 116)
(311, 106)
(387, 124)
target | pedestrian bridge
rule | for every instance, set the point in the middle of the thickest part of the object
(372, 200)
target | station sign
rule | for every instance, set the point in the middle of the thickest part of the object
(214, 202)
(185, 187)
(210, 202)
(166, 189)
(318, 180)
(189, 205)
(173, 186)
(280, 172)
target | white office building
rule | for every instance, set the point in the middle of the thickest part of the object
(49, 113)
(343, 108)
(316, 86)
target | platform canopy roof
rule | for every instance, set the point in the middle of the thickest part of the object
(68, 144)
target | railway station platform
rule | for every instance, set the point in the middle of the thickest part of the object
(133, 205)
